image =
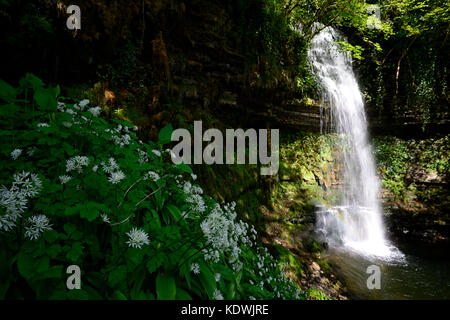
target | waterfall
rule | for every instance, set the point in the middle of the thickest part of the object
(355, 222)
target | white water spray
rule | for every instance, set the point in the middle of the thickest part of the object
(356, 223)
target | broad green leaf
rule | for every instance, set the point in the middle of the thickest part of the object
(45, 98)
(118, 295)
(184, 168)
(77, 294)
(31, 81)
(207, 279)
(25, 264)
(174, 211)
(182, 295)
(118, 275)
(89, 213)
(165, 135)
(165, 287)
(75, 252)
(7, 93)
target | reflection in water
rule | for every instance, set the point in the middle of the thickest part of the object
(417, 276)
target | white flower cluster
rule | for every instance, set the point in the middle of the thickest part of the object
(217, 295)
(281, 286)
(120, 135)
(83, 103)
(15, 199)
(95, 111)
(116, 177)
(31, 151)
(36, 226)
(152, 175)
(43, 125)
(137, 238)
(224, 235)
(112, 168)
(105, 218)
(195, 268)
(74, 111)
(64, 179)
(143, 156)
(157, 153)
(15, 154)
(77, 163)
(194, 198)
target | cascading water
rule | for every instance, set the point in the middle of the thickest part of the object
(356, 222)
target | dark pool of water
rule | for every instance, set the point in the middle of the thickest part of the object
(424, 273)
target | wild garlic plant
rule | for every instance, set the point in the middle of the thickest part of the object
(77, 189)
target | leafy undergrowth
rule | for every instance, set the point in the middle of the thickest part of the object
(78, 190)
(407, 165)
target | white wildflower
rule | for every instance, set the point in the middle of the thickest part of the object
(217, 277)
(16, 153)
(77, 163)
(194, 176)
(152, 175)
(64, 179)
(36, 226)
(43, 125)
(31, 151)
(116, 177)
(195, 268)
(217, 295)
(83, 103)
(70, 111)
(120, 139)
(157, 153)
(105, 218)
(95, 168)
(143, 157)
(111, 166)
(196, 203)
(61, 106)
(95, 111)
(137, 238)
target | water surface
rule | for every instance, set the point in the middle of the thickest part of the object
(423, 273)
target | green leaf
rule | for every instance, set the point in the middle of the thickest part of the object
(75, 252)
(89, 213)
(69, 228)
(118, 295)
(54, 250)
(31, 81)
(45, 98)
(165, 287)
(118, 275)
(207, 279)
(74, 209)
(165, 135)
(4, 286)
(182, 295)
(25, 265)
(174, 211)
(54, 272)
(77, 294)
(156, 261)
(7, 93)
(50, 236)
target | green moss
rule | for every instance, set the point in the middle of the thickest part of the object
(316, 294)
(289, 259)
(313, 247)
